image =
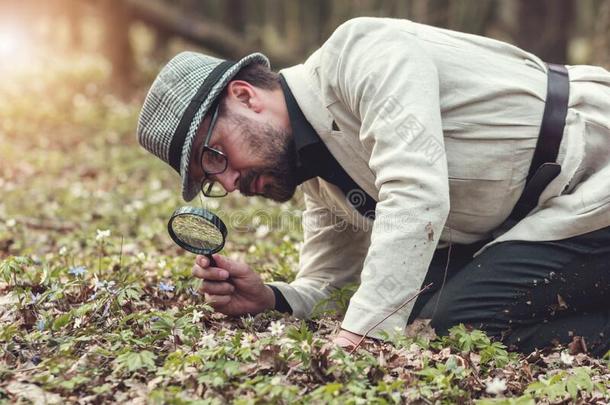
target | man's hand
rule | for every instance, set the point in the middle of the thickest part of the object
(233, 288)
(347, 339)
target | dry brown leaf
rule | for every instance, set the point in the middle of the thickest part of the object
(420, 328)
(33, 393)
(577, 345)
(561, 303)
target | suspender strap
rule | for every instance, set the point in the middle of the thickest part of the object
(544, 168)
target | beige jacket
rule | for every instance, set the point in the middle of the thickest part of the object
(439, 127)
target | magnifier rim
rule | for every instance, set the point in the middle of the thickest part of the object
(205, 214)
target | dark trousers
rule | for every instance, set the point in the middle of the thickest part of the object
(527, 294)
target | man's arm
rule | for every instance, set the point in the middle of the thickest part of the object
(331, 257)
(384, 77)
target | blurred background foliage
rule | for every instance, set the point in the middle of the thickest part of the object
(133, 33)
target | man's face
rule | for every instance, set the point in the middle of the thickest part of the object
(260, 153)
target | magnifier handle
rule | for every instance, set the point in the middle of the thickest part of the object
(213, 264)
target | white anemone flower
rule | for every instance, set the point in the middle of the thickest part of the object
(566, 358)
(496, 386)
(276, 328)
(102, 234)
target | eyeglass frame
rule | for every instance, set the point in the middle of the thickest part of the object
(206, 147)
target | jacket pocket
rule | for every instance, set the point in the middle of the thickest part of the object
(478, 197)
(480, 182)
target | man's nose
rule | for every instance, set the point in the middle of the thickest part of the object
(228, 179)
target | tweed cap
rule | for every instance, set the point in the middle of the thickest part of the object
(177, 102)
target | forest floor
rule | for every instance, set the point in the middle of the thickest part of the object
(98, 305)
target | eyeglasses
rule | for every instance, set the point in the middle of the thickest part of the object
(212, 162)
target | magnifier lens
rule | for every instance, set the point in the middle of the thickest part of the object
(195, 231)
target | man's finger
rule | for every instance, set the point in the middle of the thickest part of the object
(202, 261)
(234, 268)
(210, 273)
(217, 300)
(217, 288)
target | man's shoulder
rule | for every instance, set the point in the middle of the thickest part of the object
(365, 28)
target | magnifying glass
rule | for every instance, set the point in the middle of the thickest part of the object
(198, 231)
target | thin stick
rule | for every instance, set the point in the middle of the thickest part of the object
(121, 254)
(389, 315)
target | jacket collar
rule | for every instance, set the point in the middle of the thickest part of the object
(305, 137)
(299, 80)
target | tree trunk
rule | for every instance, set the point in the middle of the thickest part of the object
(116, 17)
(601, 42)
(545, 28)
(234, 16)
(201, 31)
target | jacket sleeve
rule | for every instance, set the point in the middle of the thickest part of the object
(331, 257)
(379, 71)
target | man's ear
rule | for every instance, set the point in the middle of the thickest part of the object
(245, 94)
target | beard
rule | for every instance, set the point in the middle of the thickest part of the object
(272, 145)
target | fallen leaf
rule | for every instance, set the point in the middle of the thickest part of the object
(33, 393)
(420, 328)
(561, 302)
(577, 345)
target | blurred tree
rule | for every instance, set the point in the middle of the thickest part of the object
(235, 15)
(117, 19)
(74, 14)
(544, 28)
(289, 30)
(601, 42)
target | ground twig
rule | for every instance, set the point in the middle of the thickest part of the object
(388, 315)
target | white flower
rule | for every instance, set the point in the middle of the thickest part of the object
(285, 342)
(63, 251)
(35, 297)
(252, 249)
(162, 263)
(305, 346)
(197, 315)
(102, 234)
(495, 387)
(103, 285)
(246, 341)
(566, 358)
(262, 231)
(11, 222)
(208, 340)
(141, 256)
(276, 328)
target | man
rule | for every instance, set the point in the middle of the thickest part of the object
(413, 146)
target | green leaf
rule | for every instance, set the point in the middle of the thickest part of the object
(136, 360)
(62, 321)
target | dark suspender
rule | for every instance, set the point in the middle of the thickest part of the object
(544, 167)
